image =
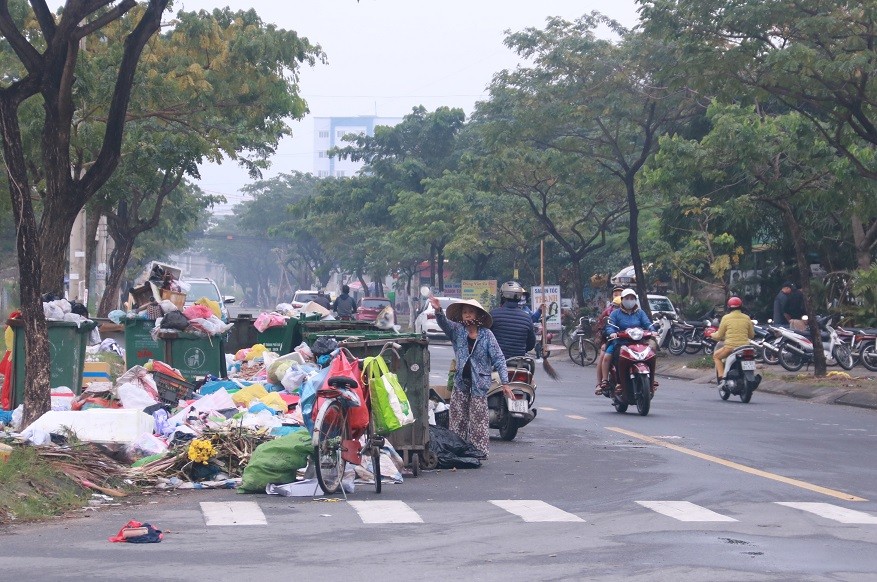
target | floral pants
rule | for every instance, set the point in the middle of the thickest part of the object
(469, 418)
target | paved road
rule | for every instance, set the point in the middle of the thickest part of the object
(700, 489)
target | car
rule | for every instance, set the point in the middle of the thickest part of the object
(303, 296)
(369, 307)
(425, 322)
(208, 288)
(661, 304)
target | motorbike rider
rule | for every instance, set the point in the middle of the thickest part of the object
(627, 316)
(512, 327)
(345, 305)
(600, 333)
(736, 329)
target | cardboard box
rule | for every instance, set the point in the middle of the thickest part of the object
(143, 294)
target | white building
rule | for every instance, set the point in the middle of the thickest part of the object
(329, 133)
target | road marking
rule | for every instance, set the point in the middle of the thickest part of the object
(685, 511)
(232, 513)
(576, 417)
(833, 512)
(385, 512)
(548, 409)
(740, 467)
(533, 510)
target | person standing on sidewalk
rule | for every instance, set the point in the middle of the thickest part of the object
(736, 329)
(478, 354)
(780, 313)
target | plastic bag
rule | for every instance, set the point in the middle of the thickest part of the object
(175, 320)
(451, 450)
(145, 445)
(167, 306)
(309, 397)
(389, 401)
(197, 311)
(345, 364)
(210, 304)
(134, 396)
(277, 369)
(266, 320)
(211, 325)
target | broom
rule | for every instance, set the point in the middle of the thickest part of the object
(549, 369)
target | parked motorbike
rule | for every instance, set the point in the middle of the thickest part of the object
(664, 339)
(692, 336)
(766, 343)
(510, 414)
(797, 348)
(740, 378)
(632, 371)
(541, 352)
(863, 345)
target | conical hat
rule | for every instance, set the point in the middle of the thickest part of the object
(455, 312)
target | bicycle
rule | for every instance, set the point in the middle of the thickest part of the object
(335, 443)
(583, 351)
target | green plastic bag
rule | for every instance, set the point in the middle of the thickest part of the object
(277, 461)
(390, 407)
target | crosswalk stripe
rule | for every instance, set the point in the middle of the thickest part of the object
(385, 512)
(685, 511)
(533, 510)
(232, 513)
(833, 512)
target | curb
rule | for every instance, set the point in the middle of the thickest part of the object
(844, 395)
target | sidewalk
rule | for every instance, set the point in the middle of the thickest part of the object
(858, 387)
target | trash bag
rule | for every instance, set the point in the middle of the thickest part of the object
(175, 320)
(452, 451)
(277, 461)
(324, 345)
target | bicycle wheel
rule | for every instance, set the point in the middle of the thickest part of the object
(589, 351)
(575, 353)
(374, 444)
(330, 432)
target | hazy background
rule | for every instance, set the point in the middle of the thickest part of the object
(387, 56)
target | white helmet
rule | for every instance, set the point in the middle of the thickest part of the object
(511, 290)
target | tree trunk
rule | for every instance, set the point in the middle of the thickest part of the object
(54, 243)
(118, 261)
(819, 365)
(432, 269)
(633, 240)
(27, 242)
(863, 241)
(440, 260)
(578, 282)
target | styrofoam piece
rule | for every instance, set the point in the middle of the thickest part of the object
(98, 425)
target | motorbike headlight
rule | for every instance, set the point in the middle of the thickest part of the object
(635, 334)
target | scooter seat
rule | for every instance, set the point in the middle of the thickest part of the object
(695, 323)
(862, 331)
(824, 336)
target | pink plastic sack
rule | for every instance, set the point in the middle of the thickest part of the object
(266, 320)
(197, 312)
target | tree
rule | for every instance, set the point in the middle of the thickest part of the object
(777, 163)
(816, 58)
(44, 70)
(603, 100)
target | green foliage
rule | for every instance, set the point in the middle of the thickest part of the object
(864, 310)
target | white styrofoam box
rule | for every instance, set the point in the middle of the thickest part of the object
(98, 425)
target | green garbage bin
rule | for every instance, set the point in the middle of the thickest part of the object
(195, 356)
(139, 345)
(67, 343)
(413, 371)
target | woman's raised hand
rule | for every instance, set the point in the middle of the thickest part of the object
(434, 302)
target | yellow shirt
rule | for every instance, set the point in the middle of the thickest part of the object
(736, 329)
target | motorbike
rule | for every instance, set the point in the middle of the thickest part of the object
(632, 371)
(693, 336)
(740, 378)
(863, 345)
(541, 352)
(796, 348)
(510, 414)
(664, 338)
(767, 344)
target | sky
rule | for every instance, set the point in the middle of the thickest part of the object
(387, 56)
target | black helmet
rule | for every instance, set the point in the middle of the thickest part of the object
(511, 290)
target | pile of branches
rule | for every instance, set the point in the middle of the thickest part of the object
(87, 464)
(234, 447)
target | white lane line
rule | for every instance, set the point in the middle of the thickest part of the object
(833, 512)
(232, 513)
(685, 511)
(549, 409)
(533, 510)
(385, 512)
(576, 417)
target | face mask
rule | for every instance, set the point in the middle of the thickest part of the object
(629, 303)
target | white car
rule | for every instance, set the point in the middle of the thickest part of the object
(199, 288)
(659, 304)
(426, 323)
(303, 296)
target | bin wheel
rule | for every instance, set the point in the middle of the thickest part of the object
(415, 464)
(430, 460)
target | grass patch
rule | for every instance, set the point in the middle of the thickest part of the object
(702, 363)
(33, 489)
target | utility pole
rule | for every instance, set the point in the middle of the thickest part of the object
(76, 274)
(100, 259)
